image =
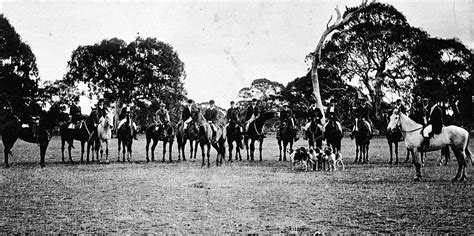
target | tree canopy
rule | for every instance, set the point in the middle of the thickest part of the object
(18, 73)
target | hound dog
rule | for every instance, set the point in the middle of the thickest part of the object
(333, 159)
(300, 155)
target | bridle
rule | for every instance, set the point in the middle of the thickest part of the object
(399, 126)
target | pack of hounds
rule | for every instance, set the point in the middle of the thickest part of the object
(316, 159)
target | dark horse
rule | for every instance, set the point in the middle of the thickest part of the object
(255, 132)
(333, 135)
(163, 133)
(125, 139)
(12, 130)
(234, 134)
(205, 140)
(191, 134)
(86, 133)
(315, 135)
(286, 135)
(362, 140)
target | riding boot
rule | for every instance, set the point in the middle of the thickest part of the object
(135, 135)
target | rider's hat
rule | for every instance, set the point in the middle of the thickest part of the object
(232, 102)
(254, 99)
(211, 102)
(190, 101)
(162, 104)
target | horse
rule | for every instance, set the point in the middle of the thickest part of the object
(255, 132)
(333, 134)
(455, 137)
(205, 140)
(191, 134)
(125, 139)
(286, 135)
(362, 140)
(12, 130)
(315, 135)
(163, 133)
(104, 134)
(234, 134)
(87, 133)
(393, 138)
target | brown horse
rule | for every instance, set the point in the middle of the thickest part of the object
(163, 133)
(206, 140)
(234, 134)
(86, 133)
(255, 132)
(191, 134)
(12, 130)
(125, 139)
(362, 140)
(286, 136)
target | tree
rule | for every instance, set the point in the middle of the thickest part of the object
(18, 73)
(375, 47)
(448, 64)
(145, 69)
(316, 55)
(260, 89)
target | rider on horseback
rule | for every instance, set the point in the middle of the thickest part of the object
(314, 114)
(399, 105)
(286, 116)
(186, 114)
(76, 114)
(252, 114)
(233, 114)
(101, 109)
(331, 115)
(162, 117)
(362, 113)
(211, 116)
(435, 119)
(127, 111)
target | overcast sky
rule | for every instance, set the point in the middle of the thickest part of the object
(224, 44)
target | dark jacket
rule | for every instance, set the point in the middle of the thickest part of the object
(186, 113)
(211, 115)
(75, 112)
(436, 119)
(101, 111)
(233, 115)
(251, 110)
(362, 112)
(123, 113)
(285, 115)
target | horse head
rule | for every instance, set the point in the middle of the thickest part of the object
(394, 121)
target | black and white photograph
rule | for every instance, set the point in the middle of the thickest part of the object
(236, 117)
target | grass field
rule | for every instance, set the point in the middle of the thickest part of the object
(248, 197)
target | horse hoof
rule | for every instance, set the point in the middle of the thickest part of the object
(7, 166)
(417, 179)
(455, 179)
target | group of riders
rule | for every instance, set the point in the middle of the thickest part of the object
(432, 114)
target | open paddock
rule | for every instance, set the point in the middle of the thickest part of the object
(249, 197)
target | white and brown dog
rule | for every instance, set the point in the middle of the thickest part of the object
(333, 160)
(300, 155)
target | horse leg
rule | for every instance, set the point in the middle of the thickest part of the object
(279, 147)
(195, 148)
(170, 144)
(164, 151)
(396, 153)
(82, 152)
(106, 151)
(118, 147)
(461, 163)
(417, 164)
(148, 139)
(69, 151)
(130, 151)
(152, 150)
(203, 155)
(246, 143)
(408, 156)
(229, 143)
(43, 147)
(260, 148)
(63, 141)
(390, 148)
(357, 153)
(208, 154)
(366, 154)
(8, 141)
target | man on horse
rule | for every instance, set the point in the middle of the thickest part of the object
(76, 114)
(400, 107)
(331, 115)
(211, 116)
(102, 111)
(435, 119)
(362, 114)
(286, 116)
(252, 114)
(162, 117)
(186, 115)
(233, 114)
(127, 111)
(314, 115)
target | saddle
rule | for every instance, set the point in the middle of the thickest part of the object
(76, 125)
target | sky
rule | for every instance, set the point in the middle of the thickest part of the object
(225, 44)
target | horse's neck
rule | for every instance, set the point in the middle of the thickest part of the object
(407, 123)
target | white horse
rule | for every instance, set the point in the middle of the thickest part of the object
(104, 134)
(454, 136)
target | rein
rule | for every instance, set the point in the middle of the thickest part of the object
(399, 124)
(255, 127)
